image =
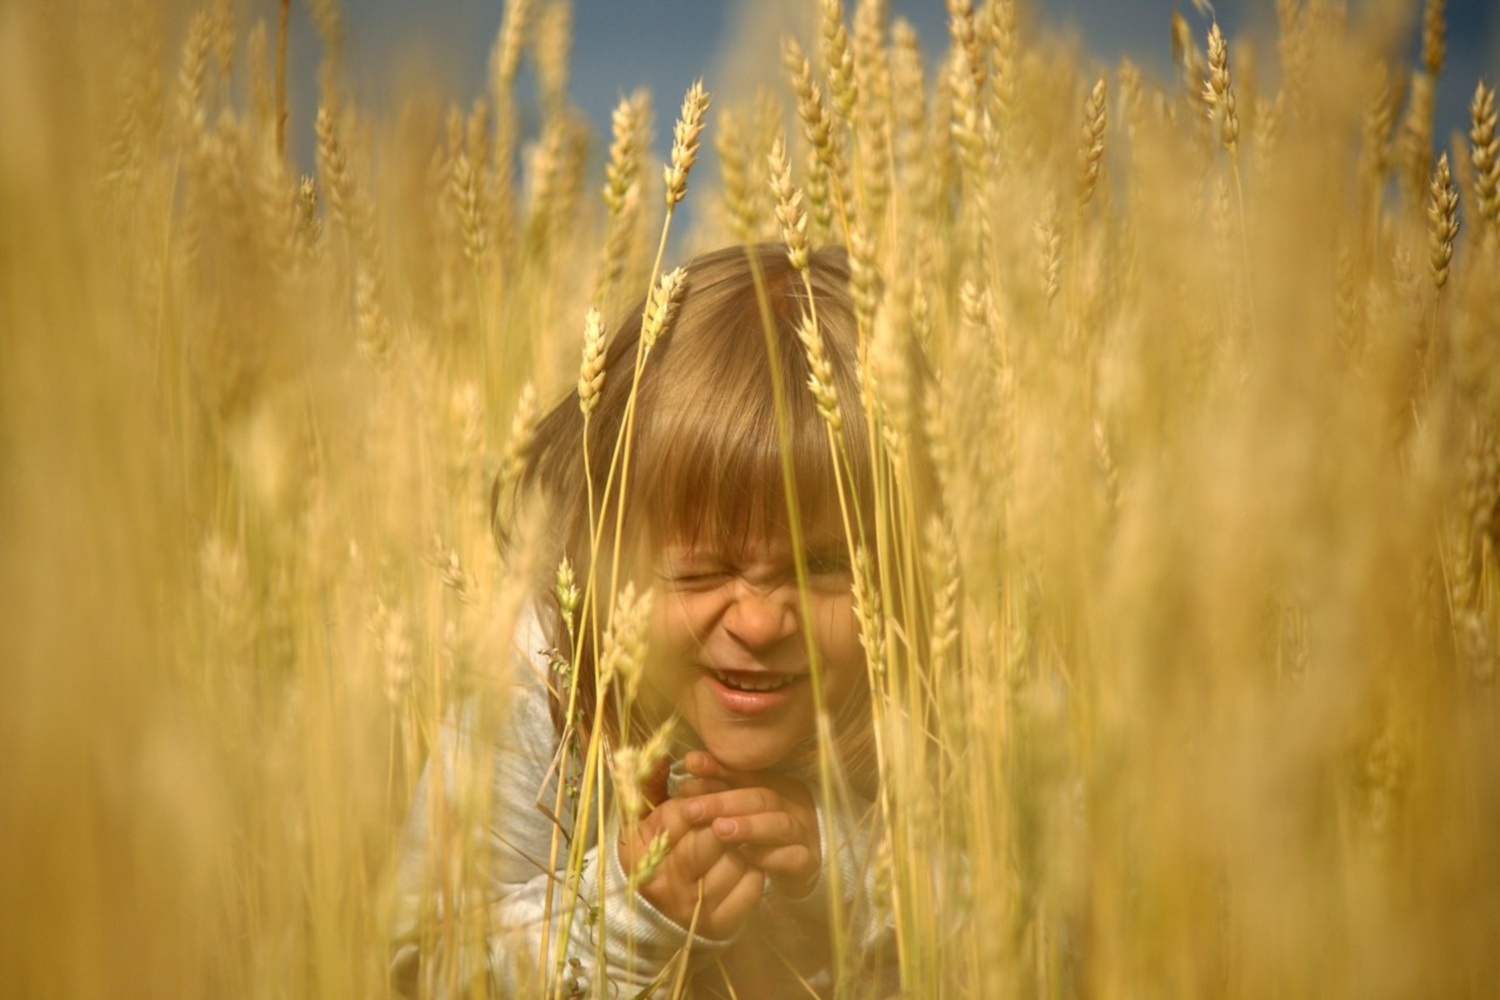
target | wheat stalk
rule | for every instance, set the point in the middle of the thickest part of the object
(1091, 143)
(1484, 152)
(1442, 220)
(685, 143)
(1217, 92)
(838, 60)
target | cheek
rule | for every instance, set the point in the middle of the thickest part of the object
(678, 624)
(838, 636)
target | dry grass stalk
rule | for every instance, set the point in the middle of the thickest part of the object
(504, 64)
(1434, 43)
(1049, 249)
(465, 190)
(826, 185)
(1416, 129)
(964, 30)
(872, 69)
(820, 374)
(393, 643)
(865, 281)
(332, 165)
(872, 622)
(660, 306)
(909, 93)
(192, 66)
(1217, 92)
(874, 120)
(889, 376)
(328, 18)
(591, 370)
(838, 60)
(1484, 153)
(1350, 301)
(1004, 40)
(625, 149)
(505, 60)
(941, 552)
(1187, 530)
(1478, 495)
(1379, 121)
(630, 125)
(820, 200)
(1294, 43)
(685, 143)
(742, 213)
(476, 135)
(817, 124)
(262, 96)
(221, 14)
(789, 211)
(624, 656)
(556, 175)
(1186, 54)
(351, 206)
(970, 127)
(1091, 143)
(522, 428)
(375, 340)
(1442, 220)
(552, 34)
(1109, 472)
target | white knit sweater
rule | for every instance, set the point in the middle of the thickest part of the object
(455, 927)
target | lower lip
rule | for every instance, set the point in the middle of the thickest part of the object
(751, 702)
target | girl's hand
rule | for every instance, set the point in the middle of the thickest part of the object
(731, 887)
(769, 817)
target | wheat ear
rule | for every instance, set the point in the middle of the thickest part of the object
(1442, 219)
(685, 143)
(1484, 152)
(1217, 92)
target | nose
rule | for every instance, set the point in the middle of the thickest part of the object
(761, 616)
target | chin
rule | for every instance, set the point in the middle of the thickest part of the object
(747, 758)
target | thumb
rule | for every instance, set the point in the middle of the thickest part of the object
(654, 788)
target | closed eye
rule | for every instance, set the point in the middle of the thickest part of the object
(694, 578)
(828, 564)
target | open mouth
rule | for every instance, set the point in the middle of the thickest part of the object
(758, 682)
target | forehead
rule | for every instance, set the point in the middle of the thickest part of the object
(772, 545)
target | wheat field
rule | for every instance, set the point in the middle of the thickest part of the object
(1206, 701)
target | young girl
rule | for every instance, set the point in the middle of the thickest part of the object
(720, 866)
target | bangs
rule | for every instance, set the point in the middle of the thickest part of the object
(708, 466)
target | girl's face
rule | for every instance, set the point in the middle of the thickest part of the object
(729, 643)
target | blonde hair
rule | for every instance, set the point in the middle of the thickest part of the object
(706, 461)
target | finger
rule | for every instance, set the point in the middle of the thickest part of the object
(693, 877)
(796, 861)
(733, 802)
(738, 902)
(721, 877)
(769, 828)
(690, 787)
(698, 852)
(669, 818)
(702, 764)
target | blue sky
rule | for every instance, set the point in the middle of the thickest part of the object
(664, 45)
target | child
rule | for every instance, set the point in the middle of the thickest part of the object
(737, 858)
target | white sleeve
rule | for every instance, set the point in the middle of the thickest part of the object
(478, 895)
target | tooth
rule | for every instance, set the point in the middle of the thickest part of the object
(770, 683)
